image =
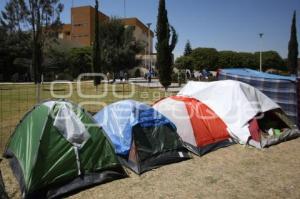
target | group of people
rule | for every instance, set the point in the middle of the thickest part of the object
(122, 76)
(204, 74)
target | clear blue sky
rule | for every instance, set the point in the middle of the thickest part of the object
(222, 24)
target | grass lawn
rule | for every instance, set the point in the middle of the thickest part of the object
(232, 172)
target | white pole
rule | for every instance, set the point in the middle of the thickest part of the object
(124, 8)
(149, 42)
(149, 48)
(260, 60)
(71, 33)
(145, 58)
(260, 54)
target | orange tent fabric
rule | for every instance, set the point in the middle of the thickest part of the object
(201, 129)
(208, 127)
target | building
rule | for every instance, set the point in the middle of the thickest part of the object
(141, 32)
(82, 28)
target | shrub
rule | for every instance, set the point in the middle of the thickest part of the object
(137, 73)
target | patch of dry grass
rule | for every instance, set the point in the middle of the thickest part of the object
(232, 172)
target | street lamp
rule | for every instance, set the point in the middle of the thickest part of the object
(124, 8)
(260, 54)
(149, 51)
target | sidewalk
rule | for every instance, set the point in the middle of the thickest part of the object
(155, 84)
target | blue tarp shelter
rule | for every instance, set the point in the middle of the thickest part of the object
(281, 89)
(143, 138)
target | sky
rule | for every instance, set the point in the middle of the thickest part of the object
(221, 24)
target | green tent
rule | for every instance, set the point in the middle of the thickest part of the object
(57, 148)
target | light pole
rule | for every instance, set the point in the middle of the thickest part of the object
(260, 53)
(72, 20)
(149, 51)
(124, 8)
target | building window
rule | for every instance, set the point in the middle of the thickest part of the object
(78, 36)
(79, 24)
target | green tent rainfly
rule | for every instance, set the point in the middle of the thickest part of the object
(57, 148)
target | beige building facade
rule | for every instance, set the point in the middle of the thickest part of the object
(82, 27)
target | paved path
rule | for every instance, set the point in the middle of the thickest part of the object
(137, 81)
(155, 84)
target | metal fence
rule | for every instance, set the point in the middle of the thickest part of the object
(17, 99)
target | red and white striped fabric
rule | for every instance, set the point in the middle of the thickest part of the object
(198, 126)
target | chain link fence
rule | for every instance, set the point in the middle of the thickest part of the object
(18, 98)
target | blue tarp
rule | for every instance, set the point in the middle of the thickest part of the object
(119, 118)
(281, 89)
(253, 73)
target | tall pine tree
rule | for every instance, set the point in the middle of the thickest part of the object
(293, 48)
(163, 47)
(96, 47)
(42, 19)
(187, 49)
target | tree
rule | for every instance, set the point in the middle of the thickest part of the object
(14, 43)
(293, 48)
(271, 59)
(43, 20)
(13, 46)
(232, 59)
(42, 16)
(205, 58)
(96, 48)
(129, 49)
(13, 15)
(3, 50)
(119, 47)
(228, 59)
(246, 60)
(185, 62)
(65, 57)
(80, 61)
(188, 49)
(163, 47)
(57, 58)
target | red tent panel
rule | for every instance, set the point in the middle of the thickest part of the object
(208, 127)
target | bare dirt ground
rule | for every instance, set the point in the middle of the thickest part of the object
(232, 172)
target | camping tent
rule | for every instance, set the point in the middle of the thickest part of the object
(142, 137)
(237, 104)
(281, 89)
(57, 148)
(198, 126)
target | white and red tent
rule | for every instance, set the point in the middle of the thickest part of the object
(248, 113)
(198, 125)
